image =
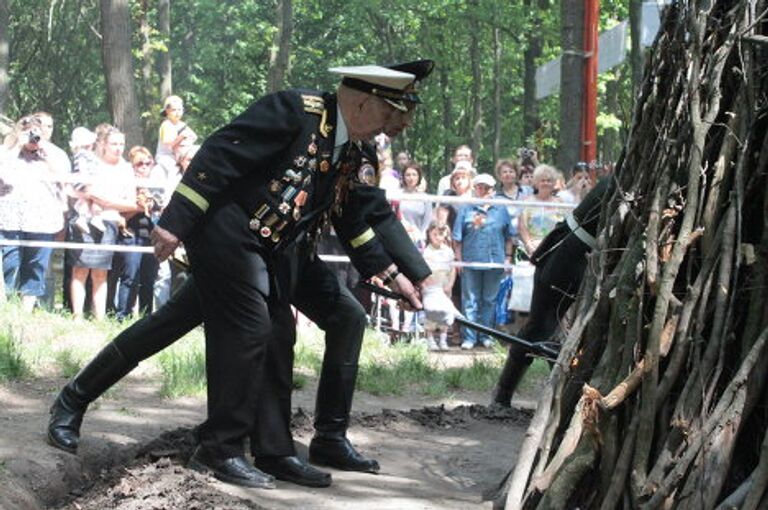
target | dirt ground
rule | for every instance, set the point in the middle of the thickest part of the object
(434, 453)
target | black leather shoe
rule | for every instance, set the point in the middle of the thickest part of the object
(337, 452)
(293, 469)
(234, 470)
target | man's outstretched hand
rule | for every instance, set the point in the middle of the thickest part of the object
(410, 292)
(164, 242)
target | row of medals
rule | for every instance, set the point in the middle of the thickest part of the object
(292, 191)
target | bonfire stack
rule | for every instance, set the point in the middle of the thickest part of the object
(659, 397)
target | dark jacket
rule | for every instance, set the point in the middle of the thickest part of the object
(267, 179)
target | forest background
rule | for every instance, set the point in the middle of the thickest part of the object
(93, 61)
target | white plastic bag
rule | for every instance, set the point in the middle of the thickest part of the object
(522, 290)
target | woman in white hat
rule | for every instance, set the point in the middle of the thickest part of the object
(482, 233)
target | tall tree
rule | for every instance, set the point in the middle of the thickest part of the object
(635, 52)
(4, 23)
(164, 60)
(279, 55)
(476, 120)
(497, 114)
(571, 83)
(534, 36)
(146, 86)
(118, 68)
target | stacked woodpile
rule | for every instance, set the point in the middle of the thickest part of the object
(659, 397)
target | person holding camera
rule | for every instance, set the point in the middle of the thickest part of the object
(33, 210)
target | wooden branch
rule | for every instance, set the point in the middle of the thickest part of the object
(618, 479)
(759, 479)
(624, 389)
(720, 417)
(567, 446)
(756, 39)
(528, 450)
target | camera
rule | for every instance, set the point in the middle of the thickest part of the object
(527, 157)
(34, 136)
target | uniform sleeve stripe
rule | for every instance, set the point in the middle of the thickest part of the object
(192, 195)
(362, 238)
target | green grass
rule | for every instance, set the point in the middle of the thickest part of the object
(47, 343)
(69, 362)
(182, 367)
(12, 363)
(52, 344)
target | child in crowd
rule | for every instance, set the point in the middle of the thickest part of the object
(173, 133)
(439, 256)
(84, 161)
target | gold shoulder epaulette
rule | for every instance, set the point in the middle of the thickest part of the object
(313, 104)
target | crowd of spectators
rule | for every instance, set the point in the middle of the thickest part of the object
(471, 246)
(101, 195)
(94, 197)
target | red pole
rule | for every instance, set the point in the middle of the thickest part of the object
(589, 119)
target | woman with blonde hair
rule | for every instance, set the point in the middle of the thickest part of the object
(536, 222)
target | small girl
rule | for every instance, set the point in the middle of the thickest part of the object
(439, 257)
(173, 132)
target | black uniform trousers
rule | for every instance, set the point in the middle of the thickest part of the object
(320, 297)
(557, 278)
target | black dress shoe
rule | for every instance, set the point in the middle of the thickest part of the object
(293, 469)
(337, 452)
(234, 470)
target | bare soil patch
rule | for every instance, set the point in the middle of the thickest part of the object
(434, 453)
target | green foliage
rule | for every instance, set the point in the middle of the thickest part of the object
(220, 56)
(182, 367)
(12, 364)
(394, 370)
(607, 121)
(69, 363)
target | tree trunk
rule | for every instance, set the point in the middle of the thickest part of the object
(147, 89)
(571, 83)
(658, 397)
(532, 53)
(118, 69)
(4, 44)
(476, 99)
(610, 143)
(497, 114)
(635, 51)
(281, 46)
(447, 115)
(164, 61)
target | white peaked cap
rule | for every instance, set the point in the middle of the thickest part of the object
(376, 75)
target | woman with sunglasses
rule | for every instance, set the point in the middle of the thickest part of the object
(134, 273)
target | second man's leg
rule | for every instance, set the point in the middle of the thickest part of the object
(335, 310)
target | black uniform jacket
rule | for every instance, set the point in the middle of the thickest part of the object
(267, 178)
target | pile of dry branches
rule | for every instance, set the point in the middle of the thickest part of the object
(658, 399)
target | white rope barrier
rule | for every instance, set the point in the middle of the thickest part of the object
(450, 199)
(334, 259)
(76, 178)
